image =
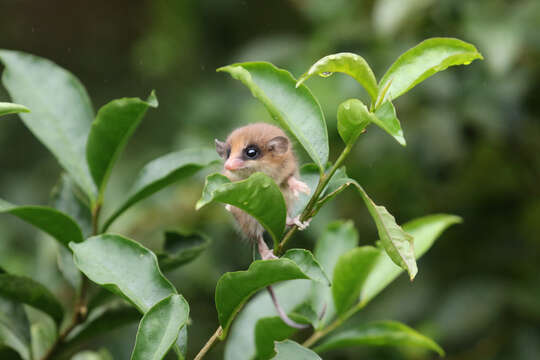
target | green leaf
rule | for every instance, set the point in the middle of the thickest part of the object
(235, 288)
(124, 267)
(293, 108)
(350, 273)
(67, 198)
(258, 196)
(272, 329)
(425, 231)
(10, 108)
(159, 328)
(162, 172)
(27, 291)
(352, 119)
(114, 124)
(102, 354)
(422, 61)
(181, 343)
(338, 238)
(44, 334)
(309, 174)
(397, 243)
(380, 333)
(386, 118)
(14, 328)
(287, 350)
(57, 224)
(181, 248)
(61, 109)
(351, 64)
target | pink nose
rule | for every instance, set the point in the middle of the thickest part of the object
(233, 164)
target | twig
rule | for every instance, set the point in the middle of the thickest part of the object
(209, 344)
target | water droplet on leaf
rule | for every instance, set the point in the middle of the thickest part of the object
(326, 74)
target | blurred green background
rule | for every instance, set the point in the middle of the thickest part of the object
(473, 149)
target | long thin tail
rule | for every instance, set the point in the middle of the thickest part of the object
(283, 314)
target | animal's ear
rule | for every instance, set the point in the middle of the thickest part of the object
(279, 144)
(222, 149)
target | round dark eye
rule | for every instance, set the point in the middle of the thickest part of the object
(251, 152)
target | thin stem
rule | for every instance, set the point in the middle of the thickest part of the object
(209, 343)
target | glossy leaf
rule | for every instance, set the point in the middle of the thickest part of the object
(386, 118)
(57, 224)
(235, 288)
(338, 238)
(44, 334)
(124, 267)
(397, 243)
(309, 174)
(180, 248)
(425, 231)
(287, 350)
(67, 198)
(422, 61)
(27, 291)
(258, 196)
(350, 273)
(114, 124)
(61, 109)
(14, 328)
(159, 328)
(352, 119)
(351, 64)
(273, 329)
(381, 333)
(162, 172)
(10, 108)
(293, 108)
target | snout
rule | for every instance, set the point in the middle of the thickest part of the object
(233, 164)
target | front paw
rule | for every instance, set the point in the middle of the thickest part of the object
(297, 186)
(302, 225)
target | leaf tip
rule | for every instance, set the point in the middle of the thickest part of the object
(152, 99)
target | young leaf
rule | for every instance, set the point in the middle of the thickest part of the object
(58, 225)
(27, 291)
(294, 108)
(61, 109)
(381, 333)
(287, 350)
(422, 61)
(352, 119)
(386, 118)
(272, 329)
(351, 64)
(235, 288)
(425, 231)
(159, 328)
(124, 267)
(112, 128)
(14, 328)
(338, 238)
(162, 172)
(10, 108)
(180, 248)
(350, 273)
(258, 196)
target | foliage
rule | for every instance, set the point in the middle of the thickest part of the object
(343, 275)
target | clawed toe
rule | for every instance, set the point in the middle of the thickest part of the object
(302, 225)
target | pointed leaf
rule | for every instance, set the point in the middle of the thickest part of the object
(386, 118)
(422, 61)
(287, 350)
(235, 288)
(258, 196)
(27, 291)
(351, 64)
(272, 329)
(124, 267)
(58, 225)
(14, 328)
(180, 248)
(353, 117)
(350, 273)
(380, 333)
(293, 108)
(159, 328)
(425, 231)
(112, 128)
(162, 172)
(61, 109)
(10, 108)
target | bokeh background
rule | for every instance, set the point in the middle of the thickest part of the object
(473, 147)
